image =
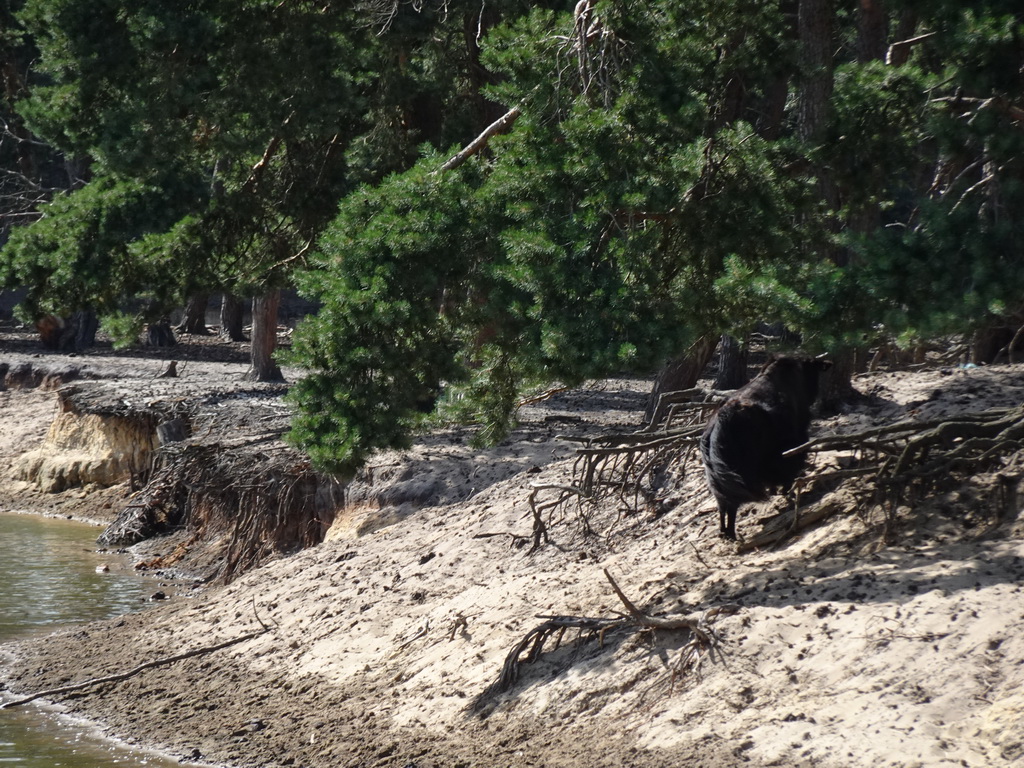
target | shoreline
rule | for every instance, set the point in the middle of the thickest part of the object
(68, 730)
(95, 732)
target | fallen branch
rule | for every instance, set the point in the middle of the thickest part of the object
(770, 538)
(133, 672)
(541, 397)
(899, 47)
(460, 623)
(894, 431)
(641, 619)
(421, 632)
(517, 539)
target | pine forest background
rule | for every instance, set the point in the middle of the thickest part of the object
(485, 197)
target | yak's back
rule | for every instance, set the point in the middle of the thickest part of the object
(744, 441)
(785, 389)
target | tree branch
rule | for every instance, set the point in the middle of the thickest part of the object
(900, 45)
(501, 125)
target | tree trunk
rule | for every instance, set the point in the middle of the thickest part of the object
(872, 44)
(817, 80)
(231, 309)
(898, 54)
(78, 170)
(86, 324)
(732, 364)
(770, 121)
(837, 382)
(816, 77)
(475, 25)
(264, 338)
(14, 89)
(872, 31)
(194, 320)
(160, 334)
(989, 342)
(771, 111)
(817, 71)
(681, 373)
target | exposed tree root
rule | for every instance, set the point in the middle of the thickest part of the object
(624, 468)
(627, 470)
(912, 459)
(588, 628)
(254, 502)
(893, 463)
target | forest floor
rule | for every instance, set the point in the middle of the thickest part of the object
(873, 638)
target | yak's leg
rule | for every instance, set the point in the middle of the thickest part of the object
(727, 519)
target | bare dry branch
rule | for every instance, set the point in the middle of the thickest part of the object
(135, 671)
(502, 125)
(898, 47)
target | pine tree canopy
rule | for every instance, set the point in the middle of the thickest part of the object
(485, 198)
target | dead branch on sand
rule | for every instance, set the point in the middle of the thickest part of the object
(703, 638)
(136, 670)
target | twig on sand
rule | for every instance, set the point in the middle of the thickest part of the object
(421, 632)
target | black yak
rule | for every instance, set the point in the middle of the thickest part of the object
(744, 441)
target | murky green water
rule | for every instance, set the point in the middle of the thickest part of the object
(50, 574)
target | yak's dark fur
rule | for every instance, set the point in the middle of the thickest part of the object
(744, 441)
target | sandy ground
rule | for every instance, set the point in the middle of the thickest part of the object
(376, 647)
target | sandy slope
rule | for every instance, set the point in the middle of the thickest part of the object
(844, 650)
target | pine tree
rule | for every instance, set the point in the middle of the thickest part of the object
(217, 141)
(631, 210)
(489, 198)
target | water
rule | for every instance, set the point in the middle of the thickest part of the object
(50, 575)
